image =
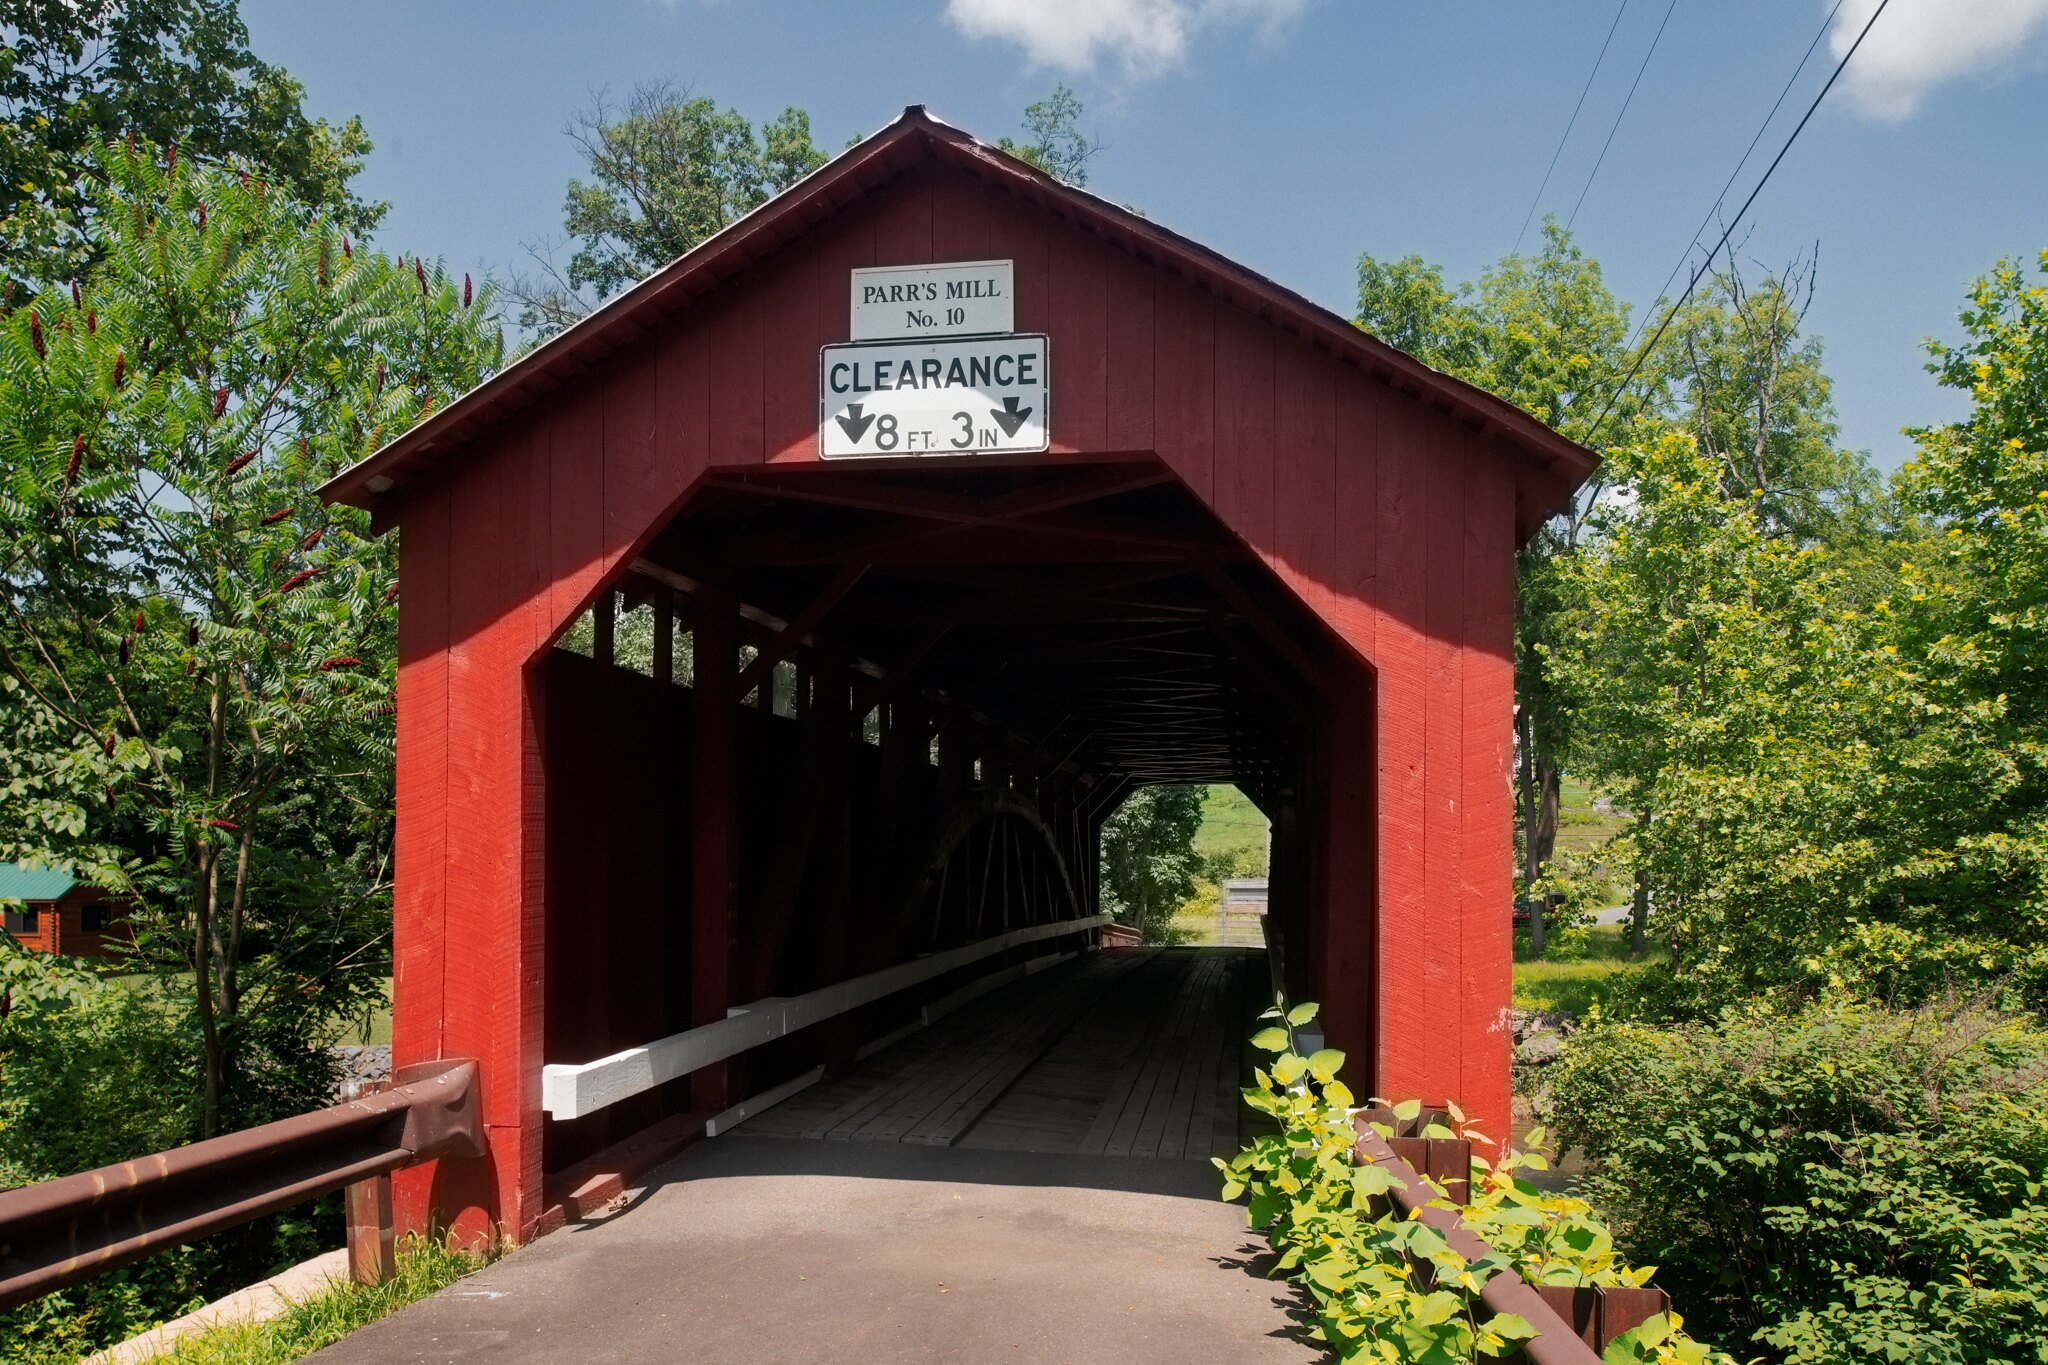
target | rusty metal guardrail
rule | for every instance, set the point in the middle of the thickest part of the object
(1558, 1341)
(62, 1231)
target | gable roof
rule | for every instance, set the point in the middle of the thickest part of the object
(18, 883)
(914, 138)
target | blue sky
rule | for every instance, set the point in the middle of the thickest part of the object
(1293, 134)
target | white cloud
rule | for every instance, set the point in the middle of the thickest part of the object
(1920, 44)
(1145, 36)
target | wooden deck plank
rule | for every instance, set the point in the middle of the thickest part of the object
(944, 1125)
(1173, 1055)
(1133, 1052)
(1197, 1078)
(924, 1059)
(1205, 1087)
(1164, 1128)
(1122, 1135)
(991, 1042)
(1132, 1088)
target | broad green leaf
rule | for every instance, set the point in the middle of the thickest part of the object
(1370, 1181)
(1432, 1309)
(1270, 1039)
(1512, 1326)
(1301, 1013)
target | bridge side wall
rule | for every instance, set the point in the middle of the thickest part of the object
(1394, 524)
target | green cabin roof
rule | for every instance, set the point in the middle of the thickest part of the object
(18, 883)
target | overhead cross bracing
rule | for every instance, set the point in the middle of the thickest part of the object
(1096, 611)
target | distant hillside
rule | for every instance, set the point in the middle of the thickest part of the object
(1229, 820)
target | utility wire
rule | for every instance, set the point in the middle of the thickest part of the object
(1729, 230)
(1728, 184)
(1620, 116)
(1569, 124)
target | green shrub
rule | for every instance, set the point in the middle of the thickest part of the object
(1390, 1288)
(1845, 1183)
(93, 1073)
(89, 1081)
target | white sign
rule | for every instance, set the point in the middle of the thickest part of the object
(960, 298)
(962, 397)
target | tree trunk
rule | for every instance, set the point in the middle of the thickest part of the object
(206, 935)
(231, 965)
(1525, 795)
(1548, 783)
(1537, 785)
(1639, 916)
(1528, 803)
(211, 1063)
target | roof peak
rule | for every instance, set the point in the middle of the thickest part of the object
(913, 138)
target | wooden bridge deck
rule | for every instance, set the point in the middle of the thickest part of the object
(1130, 1052)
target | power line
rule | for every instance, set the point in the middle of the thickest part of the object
(1569, 124)
(1726, 185)
(1729, 230)
(1623, 114)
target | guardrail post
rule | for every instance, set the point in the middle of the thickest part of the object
(372, 1258)
(372, 1252)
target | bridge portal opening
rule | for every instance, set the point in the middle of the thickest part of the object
(829, 723)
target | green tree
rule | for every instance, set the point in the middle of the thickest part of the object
(1716, 688)
(1755, 395)
(667, 169)
(176, 72)
(1972, 626)
(1057, 145)
(1840, 792)
(1149, 863)
(205, 650)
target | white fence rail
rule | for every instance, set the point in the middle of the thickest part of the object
(570, 1092)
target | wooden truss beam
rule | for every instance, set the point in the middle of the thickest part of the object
(797, 629)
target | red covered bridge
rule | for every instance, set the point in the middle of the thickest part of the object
(854, 687)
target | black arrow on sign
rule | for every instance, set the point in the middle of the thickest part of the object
(853, 424)
(1009, 416)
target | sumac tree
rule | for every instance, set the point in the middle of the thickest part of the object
(199, 654)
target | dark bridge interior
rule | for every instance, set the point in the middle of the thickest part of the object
(947, 682)
(1096, 612)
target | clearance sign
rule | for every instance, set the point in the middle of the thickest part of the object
(935, 392)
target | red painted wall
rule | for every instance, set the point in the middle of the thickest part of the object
(1389, 520)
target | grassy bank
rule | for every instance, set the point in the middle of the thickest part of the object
(1229, 821)
(1574, 973)
(423, 1268)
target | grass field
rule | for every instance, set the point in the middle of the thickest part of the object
(375, 1029)
(1229, 820)
(1581, 828)
(1575, 974)
(378, 1028)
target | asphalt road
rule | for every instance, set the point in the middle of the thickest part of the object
(769, 1249)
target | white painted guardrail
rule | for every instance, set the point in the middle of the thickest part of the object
(570, 1092)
